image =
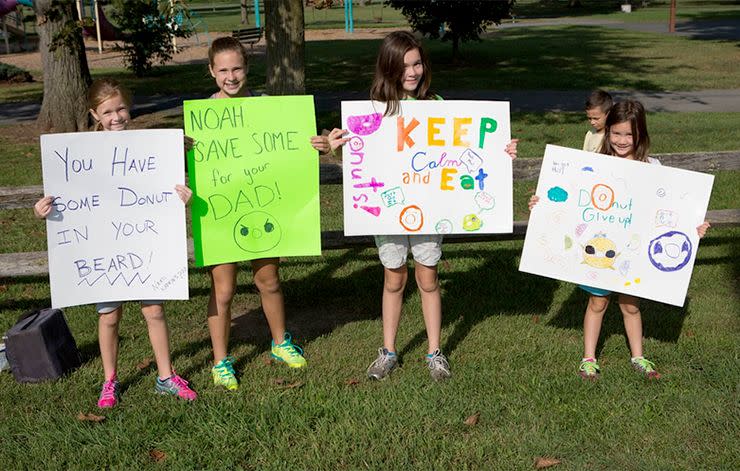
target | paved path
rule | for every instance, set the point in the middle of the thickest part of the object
(521, 100)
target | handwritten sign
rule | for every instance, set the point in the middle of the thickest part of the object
(616, 224)
(438, 167)
(117, 227)
(255, 178)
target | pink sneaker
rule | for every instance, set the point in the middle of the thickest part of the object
(109, 394)
(175, 386)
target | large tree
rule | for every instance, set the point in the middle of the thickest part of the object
(66, 75)
(453, 20)
(284, 31)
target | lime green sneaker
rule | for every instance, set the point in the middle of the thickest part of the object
(288, 352)
(589, 369)
(223, 374)
(646, 367)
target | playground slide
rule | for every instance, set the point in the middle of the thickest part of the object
(108, 32)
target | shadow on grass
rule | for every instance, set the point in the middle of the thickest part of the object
(659, 321)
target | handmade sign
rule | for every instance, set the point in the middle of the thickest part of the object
(438, 167)
(255, 178)
(117, 228)
(616, 224)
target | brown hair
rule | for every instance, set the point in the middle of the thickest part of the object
(599, 99)
(227, 43)
(389, 70)
(104, 89)
(633, 112)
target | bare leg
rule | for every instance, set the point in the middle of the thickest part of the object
(108, 340)
(630, 307)
(159, 336)
(431, 302)
(267, 280)
(393, 286)
(223, 288)
(592, 323)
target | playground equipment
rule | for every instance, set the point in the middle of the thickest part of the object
(103, 29)
(10, 14)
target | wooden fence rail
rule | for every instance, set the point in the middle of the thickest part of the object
(36, 263)
(524, 170)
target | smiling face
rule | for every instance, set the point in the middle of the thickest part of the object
(413, 71)
(113, 114)
(230, 72)
(596, 118)
(622, 140)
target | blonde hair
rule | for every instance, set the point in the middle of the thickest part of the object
(102, 90)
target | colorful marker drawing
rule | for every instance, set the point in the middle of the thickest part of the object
(557, 194)
(471, 223)
(392, 197)
(600, 252)
(364, 125)
(444, 227)
(666, 218)
(670, 251)
(412, 218)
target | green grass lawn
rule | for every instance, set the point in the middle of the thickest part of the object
(655, 11)
(572, 58)
(514, 342)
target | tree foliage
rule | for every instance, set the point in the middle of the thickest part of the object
(148, 28)
(453, 20)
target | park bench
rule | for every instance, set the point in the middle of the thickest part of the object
(248, 35)
(36, 263)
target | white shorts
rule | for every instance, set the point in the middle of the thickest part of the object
(393, 249)
(110, 306)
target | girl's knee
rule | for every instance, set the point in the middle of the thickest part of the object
(598, 304)
(153, 312)
(427, 284)
(630, 309)
(267, 284)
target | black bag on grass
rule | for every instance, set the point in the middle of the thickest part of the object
(40, 347)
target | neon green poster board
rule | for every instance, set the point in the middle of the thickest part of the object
(255, 178)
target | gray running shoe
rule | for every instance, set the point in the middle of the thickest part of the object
(438, 366)
(383, 365)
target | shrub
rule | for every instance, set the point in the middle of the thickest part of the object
(11, 73)
(148, 28)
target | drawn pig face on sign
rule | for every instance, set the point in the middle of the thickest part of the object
(257, 232)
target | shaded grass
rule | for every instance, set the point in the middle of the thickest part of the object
(557, 58)
(656, 11)
(513, 342)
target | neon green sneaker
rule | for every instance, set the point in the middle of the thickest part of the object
(288, 352)
(223, 374)
(589, 369)
(646, 367)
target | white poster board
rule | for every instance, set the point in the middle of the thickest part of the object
(438, 167)
(117, 228)
(616, 224)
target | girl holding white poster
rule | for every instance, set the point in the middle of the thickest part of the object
(402, 72)
(109, 105)
(626, 136)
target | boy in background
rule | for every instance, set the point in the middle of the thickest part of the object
(598, 105)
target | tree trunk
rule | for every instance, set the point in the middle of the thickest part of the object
(455, 48)
(284, 31)
(66, 75)
(574, 4)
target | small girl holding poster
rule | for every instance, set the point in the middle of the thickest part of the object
(109, 104)
(402, 72)
(228, 65)
(626, 137)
